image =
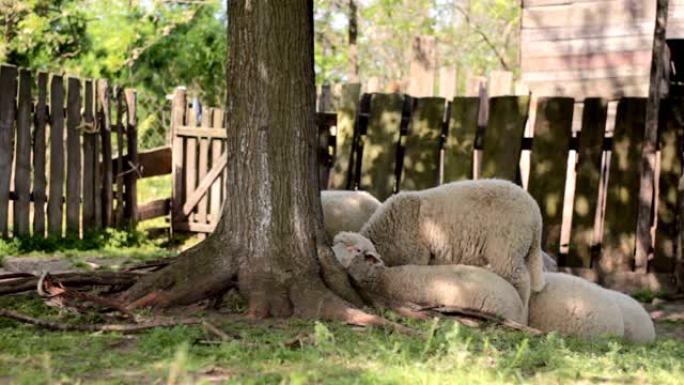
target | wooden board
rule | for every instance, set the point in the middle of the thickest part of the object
(422, 66)
(73, 186)
(608, 88)
(623, 186)
(552, 132)
(672, 127)
(177, 120)
(612, 12)
(56, 184)
(216, 194)
(346, 115)
(588, 178)
(582, 46)
(422, 146)
(39, 157)
(119, 176)
(22, 165)
(131, 178)
(588, 61)
(503, 137)
(460, 140)
(154, 209)
(596, 32)
(203, 165)
(8, 87)
(90, 159)
(380, 146)
(190, 162)
(105, 129)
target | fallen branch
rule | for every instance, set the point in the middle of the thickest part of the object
(104, 278)
(122, 328)
(459, 312)
(15, 276)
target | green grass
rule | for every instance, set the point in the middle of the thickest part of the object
(329, 353)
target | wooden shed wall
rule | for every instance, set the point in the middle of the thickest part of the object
(584, 48)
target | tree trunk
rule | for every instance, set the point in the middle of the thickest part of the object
(270, 239)
(353, 72)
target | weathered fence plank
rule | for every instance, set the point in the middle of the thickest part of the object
(622, 201)
(56, 184)
(503, 137)
(587, 180)
(73, 190)
(422, 146)
(380, 145)
(552, 132)
(39, 157)
(346, 116)
(22, 165)
(191, 157)
(216, 194)
(90, 160)
(460, 140)
(105, 129)
(8, 83)
(132, 169)
(667, 231)
(119, 176)
(177, 120)
(203, 164)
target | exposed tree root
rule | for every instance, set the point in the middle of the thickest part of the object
(121, 328)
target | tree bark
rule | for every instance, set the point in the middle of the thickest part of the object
(270, 239)
(353, 72)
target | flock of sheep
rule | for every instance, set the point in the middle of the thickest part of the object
(475, 245)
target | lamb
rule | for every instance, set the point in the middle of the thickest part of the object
(462, 286)
(574, 306)
(346, 210)
(637, 322)
(489, 222)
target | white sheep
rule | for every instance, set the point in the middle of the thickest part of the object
(488, 222)
(346, 210)
(550, 264)
(462, 286)
(637, 322)
(574, 306)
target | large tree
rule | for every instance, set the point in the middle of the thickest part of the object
(270, 241)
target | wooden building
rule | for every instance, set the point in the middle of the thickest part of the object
(584, 48)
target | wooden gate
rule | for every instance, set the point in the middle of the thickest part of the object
(199, 162)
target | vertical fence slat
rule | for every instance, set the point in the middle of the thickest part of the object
(346, 115)
(131, 178)
(587, 181)
(380, 145)
(503, 137)
(552, 132)
(460, 140)
(422, 147)
(8, 85)
(672, 127)
(216, 195)
(191, 157)
(119, 177)
(73, 191)
(622, 199)
(22, 173)
(204, 165)
(104, 127)
(90, 160)
(56, 184)
(177, 119)
(39, 157)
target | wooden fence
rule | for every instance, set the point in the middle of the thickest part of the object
(59, 169)
(578, 159)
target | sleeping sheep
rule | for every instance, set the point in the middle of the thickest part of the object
(491, 223)
(346, 210)
(574, 306)
(463, 286)
(637, 322)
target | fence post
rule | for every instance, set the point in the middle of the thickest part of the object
(56, 184)
(90, 161)
(8, 84)
(104, 126)
(177, 119)
(39, 155)
(73, 191)
(132, 169)
(22, 177)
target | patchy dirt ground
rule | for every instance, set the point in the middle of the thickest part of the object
(668, 317)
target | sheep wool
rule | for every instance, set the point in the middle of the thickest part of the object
(637, 322)
(346, 210)
(463, 286)
(488, 222)
(574, 306)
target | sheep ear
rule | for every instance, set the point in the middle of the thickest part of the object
(342, 253)
(372, 258)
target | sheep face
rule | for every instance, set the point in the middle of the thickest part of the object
(347, 246)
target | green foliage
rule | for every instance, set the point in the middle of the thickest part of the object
(108, 242)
